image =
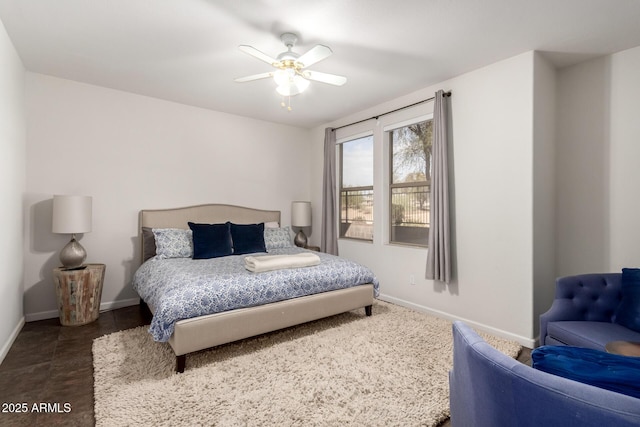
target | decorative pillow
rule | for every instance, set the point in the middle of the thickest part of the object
(173, 243)
(276, 238)
(247, 238)
(210, 240)
(149, 241)
(271, 224)
(628, 312)
(609, 371)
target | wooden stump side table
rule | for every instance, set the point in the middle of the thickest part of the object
(79, 292)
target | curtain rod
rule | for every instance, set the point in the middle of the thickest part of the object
(392, 111)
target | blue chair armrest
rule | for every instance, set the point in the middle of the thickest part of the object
(488, 389)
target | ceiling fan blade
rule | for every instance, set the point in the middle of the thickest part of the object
(253, 77)
(316, 54)
(250, 50)
(331, 79)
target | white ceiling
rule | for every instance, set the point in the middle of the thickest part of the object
(187, 50)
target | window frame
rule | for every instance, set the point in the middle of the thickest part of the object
(342, 189)
(391, 185)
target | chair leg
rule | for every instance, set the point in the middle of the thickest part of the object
(367, 310)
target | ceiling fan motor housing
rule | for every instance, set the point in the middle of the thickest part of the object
(289, 39)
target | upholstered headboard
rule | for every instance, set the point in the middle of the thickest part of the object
(205, 214)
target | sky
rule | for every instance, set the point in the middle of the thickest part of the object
(357, 156)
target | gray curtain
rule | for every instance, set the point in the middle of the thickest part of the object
(329, 234)
(439, 253)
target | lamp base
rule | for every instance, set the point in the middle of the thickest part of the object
(73, 254)
(300, 240)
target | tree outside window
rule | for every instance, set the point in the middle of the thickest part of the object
(410, 183)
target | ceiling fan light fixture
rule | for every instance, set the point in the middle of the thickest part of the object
(286, 91)
(284, 77)
(290, 86)
(292, 76)
(289, 90)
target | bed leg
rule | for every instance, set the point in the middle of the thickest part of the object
(181, 361)
(367, 310)
(144, 309)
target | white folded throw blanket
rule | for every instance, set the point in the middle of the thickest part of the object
(258, 264)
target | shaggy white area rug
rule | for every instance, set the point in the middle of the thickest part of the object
(384, 370)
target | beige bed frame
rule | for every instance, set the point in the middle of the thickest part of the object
(203, 332)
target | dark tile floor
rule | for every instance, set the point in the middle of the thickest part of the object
(52, 364)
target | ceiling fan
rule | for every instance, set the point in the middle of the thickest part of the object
(292, 75)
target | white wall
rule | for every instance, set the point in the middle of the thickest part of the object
(492, 188)
(12, 185)
(130, 153)
(544, 182)
(624, 160)
(583, 168)
(597, 164)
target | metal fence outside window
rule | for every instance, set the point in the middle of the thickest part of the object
(356, 213)
(410, 206)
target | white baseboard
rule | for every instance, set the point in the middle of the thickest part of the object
(527, 342)
(105, 306)
(42, 315)
(14, 334)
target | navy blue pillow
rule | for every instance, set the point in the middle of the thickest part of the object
(247, 238)
(211, 240)
(609, 371)
(628, 312)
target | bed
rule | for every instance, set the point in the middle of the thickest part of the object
(191, 332)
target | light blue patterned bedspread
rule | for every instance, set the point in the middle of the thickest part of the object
(182, 288)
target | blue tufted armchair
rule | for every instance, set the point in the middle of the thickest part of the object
(583, 312)
(490, 389)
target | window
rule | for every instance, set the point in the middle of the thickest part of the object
(410, 183)
(356, 188)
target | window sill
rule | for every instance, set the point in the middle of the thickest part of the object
(351, 239)
(406, 245)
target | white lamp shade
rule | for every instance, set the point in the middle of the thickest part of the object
(289, 83)
(301, 214)
(284, 77)
(71, 214)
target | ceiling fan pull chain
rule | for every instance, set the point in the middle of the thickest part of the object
(283, 104)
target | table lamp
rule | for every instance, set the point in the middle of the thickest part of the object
(72, 215)
(301, 217)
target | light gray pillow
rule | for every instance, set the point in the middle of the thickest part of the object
(173, 243)
(277, 238)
